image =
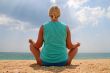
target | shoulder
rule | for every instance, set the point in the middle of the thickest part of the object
(46, 23)
(41, 29)
(64, 24)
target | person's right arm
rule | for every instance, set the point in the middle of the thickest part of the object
(68, 40)
(39, 41)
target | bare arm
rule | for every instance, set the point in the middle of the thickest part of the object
(68, 41)
(39, 41)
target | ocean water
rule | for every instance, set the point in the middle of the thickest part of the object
(29, 56)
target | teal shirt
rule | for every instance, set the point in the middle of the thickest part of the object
(54, 49)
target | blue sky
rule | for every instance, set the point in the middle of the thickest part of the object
(89, 22)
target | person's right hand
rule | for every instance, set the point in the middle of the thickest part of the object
(77, 44)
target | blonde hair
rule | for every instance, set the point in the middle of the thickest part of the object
(54, 12)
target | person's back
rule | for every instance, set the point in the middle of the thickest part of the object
(54, 49)
(56, 38)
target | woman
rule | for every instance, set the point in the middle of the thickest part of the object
(56, 38)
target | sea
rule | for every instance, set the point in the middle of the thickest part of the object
(29, 56)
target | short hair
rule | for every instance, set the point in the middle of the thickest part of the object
(54, 9)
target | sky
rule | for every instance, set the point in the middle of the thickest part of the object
(88, 20)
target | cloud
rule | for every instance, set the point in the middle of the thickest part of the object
(87, 15)
(75, 3)
(34, 11)
(11, 23)
(108, 12)
(53, 1)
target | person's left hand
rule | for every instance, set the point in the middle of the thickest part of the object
(31, 41)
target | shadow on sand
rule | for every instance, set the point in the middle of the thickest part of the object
(54, 69)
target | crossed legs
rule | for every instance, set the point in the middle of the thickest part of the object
(71, 54)
(36, 53)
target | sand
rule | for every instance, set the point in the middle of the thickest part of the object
(78, 66)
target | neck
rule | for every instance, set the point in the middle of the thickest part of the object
(55, 20)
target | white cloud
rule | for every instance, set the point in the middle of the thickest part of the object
(87, 15)
(53, 1)
(76, 3)
(12, 23)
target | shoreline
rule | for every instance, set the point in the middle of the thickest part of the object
(29, 56)
(78, 66)
(73, 59)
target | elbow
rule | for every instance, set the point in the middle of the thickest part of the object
(38, 45)
(69, 46)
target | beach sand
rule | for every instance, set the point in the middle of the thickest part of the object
(78, 66)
